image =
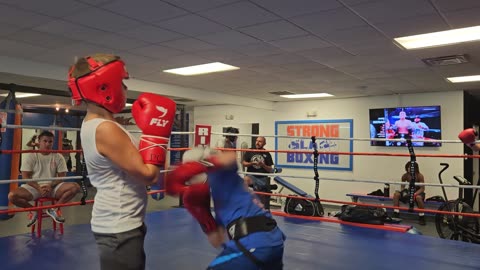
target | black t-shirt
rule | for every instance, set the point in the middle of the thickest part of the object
(255, 157)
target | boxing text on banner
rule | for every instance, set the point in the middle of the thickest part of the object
(202, 135)
(326, 131)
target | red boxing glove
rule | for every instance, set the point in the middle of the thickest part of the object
(468, 136)
(196, 200)
(177, 179)
(154, 115)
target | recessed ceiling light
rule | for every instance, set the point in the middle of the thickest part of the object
(21, 95)
(440, 38)
(201, 69)
(315, 95)
(473, 78)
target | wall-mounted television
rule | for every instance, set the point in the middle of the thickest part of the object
(420, 122)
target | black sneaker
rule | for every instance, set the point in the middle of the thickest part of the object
(396, 215)
(421, 220)
(32, 218)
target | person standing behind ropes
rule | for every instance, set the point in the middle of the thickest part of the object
(259, 162)
(44, 165)
(120, 174)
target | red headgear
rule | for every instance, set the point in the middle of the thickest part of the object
(102, 85)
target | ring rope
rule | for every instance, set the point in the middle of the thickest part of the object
(361, 181)
(38, 151)
(336, 138)
(78, 129)
(50, 179)
(352, 153)
(424, 210)
(27, 209)
(39, 179)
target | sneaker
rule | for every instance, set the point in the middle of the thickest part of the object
(396, 214)
(53, 213)
(421, 220)
(32, 218)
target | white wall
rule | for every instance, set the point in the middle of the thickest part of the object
(364, 167)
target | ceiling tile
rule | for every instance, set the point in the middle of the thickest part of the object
(274, 30)
(135, 59)
(65, 56)
(233, 15)
(258, 49)
(188, 45)
(191, 25)
(301, 43)
(288, 8)
(199, 5)
(228, 39)
(41, 39)
(8, 29)
(156, 51)
(463, 18)
(104, 20)
(147, 11)
(28, 19)
(221, 55)
(152, 34)
(357, 35)
(448, 5)
(185, 60)
(67, 29)
(414, 26)
(393, 10)
(19, 49)
(54, 8)
(320, 23)
(117, 42)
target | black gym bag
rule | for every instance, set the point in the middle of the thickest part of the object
(302, 207)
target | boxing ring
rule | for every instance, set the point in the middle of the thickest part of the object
(175, 241)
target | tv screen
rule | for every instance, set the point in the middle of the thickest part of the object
(421, 123)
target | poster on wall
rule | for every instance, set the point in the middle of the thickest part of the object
(296, 135)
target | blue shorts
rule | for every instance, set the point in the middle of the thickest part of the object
(231, 258)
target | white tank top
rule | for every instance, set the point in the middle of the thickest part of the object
(121, 201)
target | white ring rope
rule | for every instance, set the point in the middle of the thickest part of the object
(50, 179)
(78, 129)
(336, 139)
(39, 179)
(362, 181)
(250, 135)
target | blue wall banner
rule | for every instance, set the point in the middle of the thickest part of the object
(325, 131)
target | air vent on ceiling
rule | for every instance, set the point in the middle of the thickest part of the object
(446, 60)
(279, 93)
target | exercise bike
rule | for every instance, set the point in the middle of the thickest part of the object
(455, 227)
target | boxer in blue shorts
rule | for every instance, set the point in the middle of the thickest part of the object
(254, 239)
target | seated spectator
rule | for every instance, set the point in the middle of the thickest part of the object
(43, 165)
(403, 195)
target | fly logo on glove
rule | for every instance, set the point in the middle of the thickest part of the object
(159, 122)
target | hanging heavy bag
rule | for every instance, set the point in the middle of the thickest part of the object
(302, 207)
(363, 214)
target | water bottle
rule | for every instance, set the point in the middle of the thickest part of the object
(386, 190)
